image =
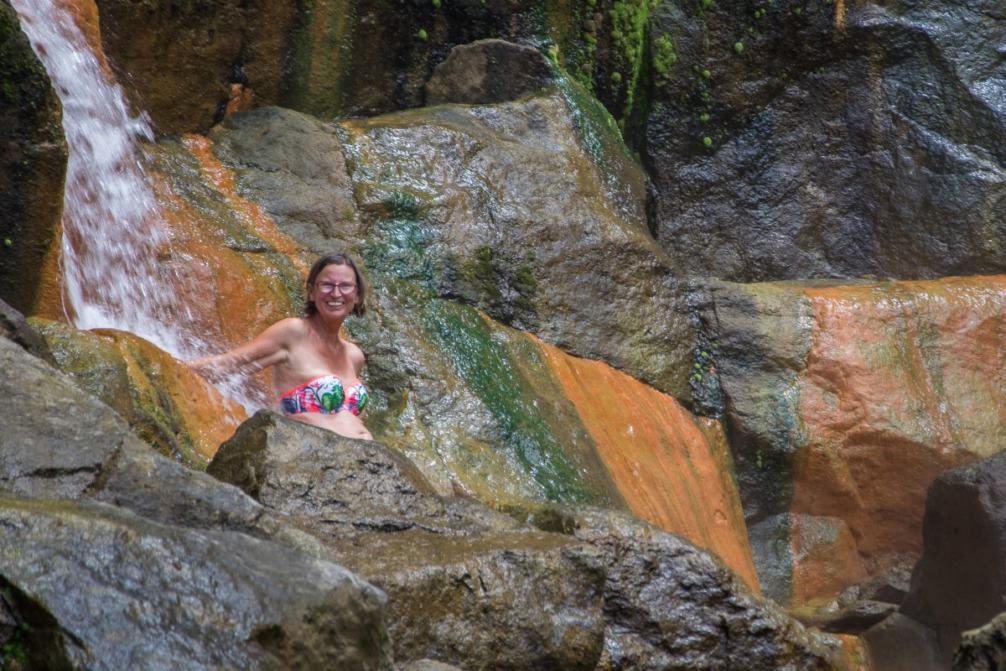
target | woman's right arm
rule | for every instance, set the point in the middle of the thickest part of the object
(266, 349)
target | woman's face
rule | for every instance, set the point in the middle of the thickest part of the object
(334, 293)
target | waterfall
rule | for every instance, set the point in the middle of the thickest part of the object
(113, 233)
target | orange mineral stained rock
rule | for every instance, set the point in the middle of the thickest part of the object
(903, 381)
(672, 470)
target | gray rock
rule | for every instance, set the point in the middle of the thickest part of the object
(983, 649)
(340, 485)
(488, 71)
(853, 618)
(32, 165)
(15, 328)
(845, 140)
(293, 167)
(669, 605)
(427, 665)
(960, 582)
(128, 593)
(459, 577)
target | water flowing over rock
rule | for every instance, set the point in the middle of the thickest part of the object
(834, 393)
(829, 139)
(32, 166)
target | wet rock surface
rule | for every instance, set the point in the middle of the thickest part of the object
(843, 139)
(459, 577)
(127, 591)
(504, 207)
(830, 391)
(293, 166)
(33, 159)
(669, 605)
(488, 71)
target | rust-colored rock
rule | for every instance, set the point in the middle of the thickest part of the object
(668, 470)
(164, 402)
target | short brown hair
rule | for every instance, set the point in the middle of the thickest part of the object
(323, 262)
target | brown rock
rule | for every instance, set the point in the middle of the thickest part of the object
(900, 643)
(488, 71)
(33, 158)
(183, 57)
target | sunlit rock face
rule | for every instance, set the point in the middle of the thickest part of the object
(183, 58)
(164, 402)
(846, 401)
(844, 138)
(530, 211)
(32, 166)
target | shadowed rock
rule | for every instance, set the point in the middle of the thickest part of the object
(900, 643)
(15, 328)
(32, 165)
(128, 592)
(983, 649)
(488, 71)
(844, 139)
(960, 582)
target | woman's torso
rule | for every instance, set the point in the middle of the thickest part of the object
(312, 359)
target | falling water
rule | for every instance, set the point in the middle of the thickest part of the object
(113, 233)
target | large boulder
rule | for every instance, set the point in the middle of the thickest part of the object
(816, 139)
(124, 592)
(960, 582)
(32, 165)
(534, 212)
(470, 588)
(845, 402)
(668, 605)
(459, 577)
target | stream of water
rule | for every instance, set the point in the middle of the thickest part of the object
(113, 233)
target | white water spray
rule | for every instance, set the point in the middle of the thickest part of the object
(112, 229)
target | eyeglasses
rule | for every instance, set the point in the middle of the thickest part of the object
(342, 287)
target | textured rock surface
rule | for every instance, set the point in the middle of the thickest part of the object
(833, 393)
(845, 139)
(459, 577)
(983, 649)
(960, 582)
(505, 207)
(183, 58)
(670, 605)
(292, 165)
(32, 165)
(15, 328)
(165, 403)
(488, 71)
(126, 591)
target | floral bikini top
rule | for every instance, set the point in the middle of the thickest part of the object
(326, 395)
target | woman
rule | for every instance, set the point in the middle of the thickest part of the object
(316, 373)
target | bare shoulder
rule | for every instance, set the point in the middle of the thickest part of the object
(356, 355)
